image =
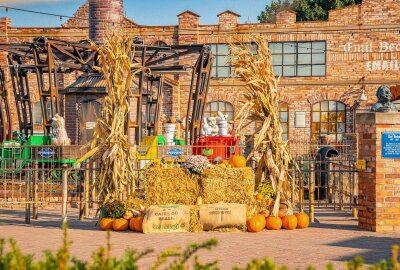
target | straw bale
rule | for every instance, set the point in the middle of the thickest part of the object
(164, 186)
(228, 185)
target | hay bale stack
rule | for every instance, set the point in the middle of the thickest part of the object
(233, 185)
(164, 186)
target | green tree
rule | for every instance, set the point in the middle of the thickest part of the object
(307, 10)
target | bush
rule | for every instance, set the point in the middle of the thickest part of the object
(171, 259)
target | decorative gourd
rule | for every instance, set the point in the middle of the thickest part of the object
(256, 223)
(302, 220)
(265, 213)
(120, 224)
(132, 224)
(199, 200)
(281, 213)
(274, 223)
(128, 215)
(106, 223)
(238, 161)
(139, 224)
(289, 222)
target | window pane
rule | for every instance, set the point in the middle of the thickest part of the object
(214, 106)
(278, 70)
(332, 117)
(304, 59)
(230, 115)
(284, 137)
(325, 106)
(324, 128)
(341, 116)
(341, 127)
(284, 117)
(304, 47)
(277, 59)
(324, 117)
(289, 71)
(221, 106)
(223, 72)
(317, 107)
(332, 105)
(316, 127)
(284, 127)
(222, 60)
(341, 106)
(316, 117)
(289, 47)
(289, 59)
(228, 107)
(319, 70)
(332, 128)
(214, 48)
(318, 58)
(208, 106)
(37, 114)
(214, 72)
(276, 48)
(223, 49)
(283, 106)
(319, 46)
(304, 71)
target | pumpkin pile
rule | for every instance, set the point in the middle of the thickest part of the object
(116, 217)
(258, 222)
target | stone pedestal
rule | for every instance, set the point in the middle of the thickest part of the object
(379, 184)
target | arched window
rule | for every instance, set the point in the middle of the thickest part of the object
(328, 118)
(213, 107)
(89, 111)
(284, 118)
(159, 43)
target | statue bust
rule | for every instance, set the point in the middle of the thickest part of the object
(384, 103)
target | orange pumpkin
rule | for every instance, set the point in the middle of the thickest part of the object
(139, 224)
(106, 223)
(281, 213)
(274, 223)
(256, 223)
(120, 224)
(132, 224)
(238, 161)
(289, 222)
(302, 220)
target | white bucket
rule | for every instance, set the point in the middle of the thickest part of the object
(222, 128)
(169, 133)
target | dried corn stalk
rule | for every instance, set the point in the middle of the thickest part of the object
(110, 141)
(261, 106)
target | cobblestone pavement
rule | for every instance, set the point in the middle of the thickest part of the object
(335, 238)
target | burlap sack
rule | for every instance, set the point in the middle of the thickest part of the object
(167, 219)
(223, 215)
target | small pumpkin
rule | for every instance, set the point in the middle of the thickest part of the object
(139, 224)
(274, 223)
(256, 223)
(106, 223)
(238, 161)
(128, 215)
(120, 224)
(303, 221)
(289, 222)
(132, 224)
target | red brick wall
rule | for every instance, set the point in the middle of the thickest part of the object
(379, 185)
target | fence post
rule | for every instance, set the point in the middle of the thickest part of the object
(301, 191)
(35, 189)
(311, 189)
(293, 174)
(28, 195)
(87, 187)
(341, 190)
(64, 193)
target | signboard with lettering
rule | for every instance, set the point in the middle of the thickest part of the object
(391, 145)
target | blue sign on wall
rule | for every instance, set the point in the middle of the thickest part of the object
(391, 145)
(175, 152)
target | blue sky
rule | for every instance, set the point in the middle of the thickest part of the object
(145, 12)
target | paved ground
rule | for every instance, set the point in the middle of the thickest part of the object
(334, 239)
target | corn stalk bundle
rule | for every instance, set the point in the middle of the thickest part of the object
(261, 106)
(110, 141)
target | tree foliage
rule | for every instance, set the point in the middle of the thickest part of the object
(307, 10)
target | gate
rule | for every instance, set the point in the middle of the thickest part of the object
(326, 175)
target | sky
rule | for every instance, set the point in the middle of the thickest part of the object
(144, 12)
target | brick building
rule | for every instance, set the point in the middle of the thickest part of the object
(325, 65)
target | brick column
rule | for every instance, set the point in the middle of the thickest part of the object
(379, 185)
(104, 15)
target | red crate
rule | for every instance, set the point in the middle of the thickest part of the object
(217, 146)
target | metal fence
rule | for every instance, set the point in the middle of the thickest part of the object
(44, 176)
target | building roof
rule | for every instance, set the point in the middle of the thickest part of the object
(190, 12)
(229, 11)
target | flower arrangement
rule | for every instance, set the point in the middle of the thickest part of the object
(196, 164)
(114, 209)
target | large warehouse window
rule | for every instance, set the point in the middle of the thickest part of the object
(222, 67)
(328, 118)
(212, 109)
(284, 117)
(298, 59)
